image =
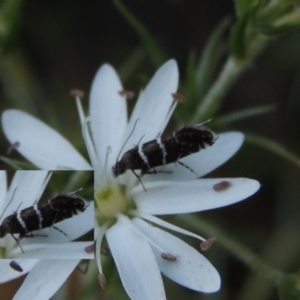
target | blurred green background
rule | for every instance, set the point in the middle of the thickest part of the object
(48, 48)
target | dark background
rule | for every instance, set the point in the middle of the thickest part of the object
(59, 45)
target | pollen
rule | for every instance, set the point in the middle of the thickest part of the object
(110, 202)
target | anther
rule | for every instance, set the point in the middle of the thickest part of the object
(77, 93)
(102, 281)
(127, 94)
(168, 256)
(178, 98)
(221, 186)
(12, 147)
(90, 249)
(206, 245)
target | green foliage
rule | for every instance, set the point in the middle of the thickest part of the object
(200, 73)
(225, 120)
(150, 44)
(289, 288)
(274, 148)
(243, 6)
(267, 18)
(17, 165)
(10, 11)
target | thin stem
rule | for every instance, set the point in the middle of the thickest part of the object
(238, 250)
(231, 71)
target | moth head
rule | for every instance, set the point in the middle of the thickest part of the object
(119, 168)
(208, 137)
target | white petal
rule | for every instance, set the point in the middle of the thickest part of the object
(153, 105)
(108, 110)
(136, 264)
(197, 195)
(191, 269)
(46, 278)
(3, 187)
(7, 273)
(40, 144)
(204, 161)
(25, 189)
(75, 250)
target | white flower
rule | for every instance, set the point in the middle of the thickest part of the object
(140, 250)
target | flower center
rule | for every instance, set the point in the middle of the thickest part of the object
(110, 202)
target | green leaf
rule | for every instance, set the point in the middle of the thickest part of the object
(237, 37)
(242, 114)
(199, 75)
(150, 44)
(10, 11)
(131, 64)
(18, 165)
(288, 289)
(210, 58)
(243, 6)
(274, 148)
(184, 110)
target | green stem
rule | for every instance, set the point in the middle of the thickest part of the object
(274, 148)
(231, 71)
(238, 250)
(212, 101)
(150, 43)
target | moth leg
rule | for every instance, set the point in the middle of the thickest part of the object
(154, 171)
(139, 179)
(17, 241)
(81, 263)
(60, 231)
(30, 235)
(187, 167)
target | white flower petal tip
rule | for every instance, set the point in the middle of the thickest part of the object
(192, 196)
(40, 144)
(108, 111)
(155, 105)
(190, 269)
(105, 84)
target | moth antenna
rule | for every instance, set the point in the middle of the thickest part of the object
(75, 192)
(140, 140)
(9, 203)
(202, 124)
(18, 206)
(127, 140)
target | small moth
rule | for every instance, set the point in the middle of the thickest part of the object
(164, 150)
(39, 216)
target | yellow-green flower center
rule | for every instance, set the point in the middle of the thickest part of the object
(110, 202)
